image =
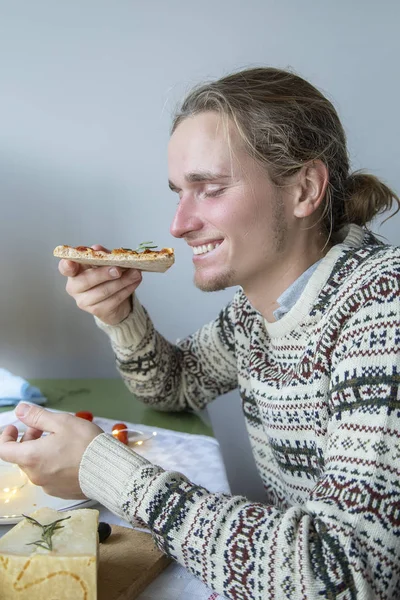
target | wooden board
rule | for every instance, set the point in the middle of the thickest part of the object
(129, 561)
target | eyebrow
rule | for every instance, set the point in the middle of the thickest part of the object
(200, 177)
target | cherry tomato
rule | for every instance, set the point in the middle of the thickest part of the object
(118, 432)
(84, 414)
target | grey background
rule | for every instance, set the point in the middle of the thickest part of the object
(87, 90)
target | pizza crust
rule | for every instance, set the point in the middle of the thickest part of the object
(149, 260)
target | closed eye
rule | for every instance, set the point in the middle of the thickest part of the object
(214, 193)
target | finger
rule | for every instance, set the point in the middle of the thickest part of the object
(99, 247)
(69, 268)
(31, 434)
(115, 289)
(92, 277)
(9, 434)
(109, 289)
(9, 447)
(112, 305)
(24, 455)
(39, 418)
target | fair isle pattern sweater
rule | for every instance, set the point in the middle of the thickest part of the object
(320, 393)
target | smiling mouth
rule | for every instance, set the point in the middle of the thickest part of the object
(205, 248)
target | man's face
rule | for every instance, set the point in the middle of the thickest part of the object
(229, 211)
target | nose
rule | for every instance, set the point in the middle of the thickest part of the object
(186, 218)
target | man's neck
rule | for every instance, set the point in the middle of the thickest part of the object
(263, 292)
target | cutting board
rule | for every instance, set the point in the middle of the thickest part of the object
(129, 561)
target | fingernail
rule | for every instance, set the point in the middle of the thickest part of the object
(134, 275)
(114, 272)
(21, 410)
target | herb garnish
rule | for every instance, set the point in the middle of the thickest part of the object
(146, 246)
(46, 541)
(142, 246)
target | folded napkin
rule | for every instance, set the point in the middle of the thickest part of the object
(13, 389)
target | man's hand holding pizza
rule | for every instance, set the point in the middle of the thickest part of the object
(104, 292)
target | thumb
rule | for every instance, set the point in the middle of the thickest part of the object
(98, 247)
(36, 416)
(69, 268)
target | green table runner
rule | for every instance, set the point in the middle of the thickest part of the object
(110, 398)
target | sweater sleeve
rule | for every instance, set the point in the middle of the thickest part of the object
(186, 375)
(342, 543)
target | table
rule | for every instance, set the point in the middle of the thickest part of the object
(110, 398)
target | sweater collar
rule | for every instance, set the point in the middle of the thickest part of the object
(350, 236)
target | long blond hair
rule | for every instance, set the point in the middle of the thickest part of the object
(285, 123)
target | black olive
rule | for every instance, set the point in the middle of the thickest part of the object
(104, 531)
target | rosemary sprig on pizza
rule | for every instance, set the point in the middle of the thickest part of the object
(144, 258)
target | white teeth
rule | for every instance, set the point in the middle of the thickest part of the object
(205, 248)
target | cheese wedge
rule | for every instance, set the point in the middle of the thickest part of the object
(68, 571)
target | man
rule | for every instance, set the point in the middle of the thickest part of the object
(267, 203)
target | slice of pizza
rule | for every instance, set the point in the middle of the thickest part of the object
(145, 259)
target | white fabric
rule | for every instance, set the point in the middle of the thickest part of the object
(199, 458)
(14, 388)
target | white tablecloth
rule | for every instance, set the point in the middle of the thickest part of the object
(196, 456)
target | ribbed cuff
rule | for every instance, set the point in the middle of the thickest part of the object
(106, 467)
(130, 332)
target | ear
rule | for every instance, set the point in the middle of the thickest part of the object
(312, 183)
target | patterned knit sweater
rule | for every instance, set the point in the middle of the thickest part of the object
(320, 393)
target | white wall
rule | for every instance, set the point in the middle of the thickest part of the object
(87, 89)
